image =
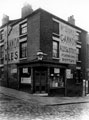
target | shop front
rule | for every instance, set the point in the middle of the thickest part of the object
(42, 77)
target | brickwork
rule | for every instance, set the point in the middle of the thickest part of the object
(33, 42)
(46, 34)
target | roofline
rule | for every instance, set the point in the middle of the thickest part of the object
(9, 22)
(13, 22)
(66, 22)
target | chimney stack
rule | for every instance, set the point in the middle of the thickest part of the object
(26, 10)
(71, 20)
(5, 19)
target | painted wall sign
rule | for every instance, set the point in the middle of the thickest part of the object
(68, 38)
(12, 51)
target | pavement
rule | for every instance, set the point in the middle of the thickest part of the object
(43, 100)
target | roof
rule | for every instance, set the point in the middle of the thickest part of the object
(13, 22)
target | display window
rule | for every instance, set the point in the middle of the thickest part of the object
(56, 79)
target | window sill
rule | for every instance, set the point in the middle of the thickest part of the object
(22, 35)
(79, 61)
(23, 58)
(56, 35)
(56, 58)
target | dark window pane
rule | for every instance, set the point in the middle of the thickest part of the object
(23, 49)
(55, 27)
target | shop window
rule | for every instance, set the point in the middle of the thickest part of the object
(23, 49)
(78, 77)
(57, 79)
(23, 28)
(55, 27)
(25, 76)
(55, 49)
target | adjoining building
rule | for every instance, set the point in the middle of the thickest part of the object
(41, 53)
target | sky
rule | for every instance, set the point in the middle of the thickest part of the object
(61, 8)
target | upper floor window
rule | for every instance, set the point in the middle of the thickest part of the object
(2, 54)
(23, 28)
(1, 35)
(78, 52)
(55, 27)
(55, 49)
(23, 49)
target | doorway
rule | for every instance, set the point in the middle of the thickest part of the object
(40, 81)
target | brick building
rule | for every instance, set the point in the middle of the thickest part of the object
(41, 53)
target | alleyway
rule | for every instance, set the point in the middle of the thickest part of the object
(15, 109)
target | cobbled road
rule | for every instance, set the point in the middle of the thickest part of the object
(15, 109)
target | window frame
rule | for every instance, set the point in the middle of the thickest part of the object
(1, 36)
(57, 49)
(56, 31)
(22, 27)
(23, 49)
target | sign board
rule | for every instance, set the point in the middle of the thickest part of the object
(68, 73)
(14, 70)
(56, 70)
(25, 70)
(26, 80)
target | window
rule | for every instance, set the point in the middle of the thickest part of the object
(2, 54)
(55, 49)
(78, 76)
(1, 36)
(23, 49)
(56, 27)
(78, 53)
(23, 28)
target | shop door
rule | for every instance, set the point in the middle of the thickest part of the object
(40, 81)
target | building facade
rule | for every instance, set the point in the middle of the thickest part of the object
(42, 53)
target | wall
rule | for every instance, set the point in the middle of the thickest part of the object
(33, 36)
(83, 38)
(46, 29)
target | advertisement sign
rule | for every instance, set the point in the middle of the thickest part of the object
(26, 80)
(68, 73)
(12, 51)
(68, 38)
(25, 70)
(56, 70)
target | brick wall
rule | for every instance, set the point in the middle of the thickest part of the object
(33, 36)
(46, 34)
(83, 53)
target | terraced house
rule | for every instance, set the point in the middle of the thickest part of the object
(42, 53)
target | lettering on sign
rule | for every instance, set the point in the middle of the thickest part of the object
(68, 38)
(13, 51)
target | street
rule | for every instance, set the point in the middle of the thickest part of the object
(15, 109)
